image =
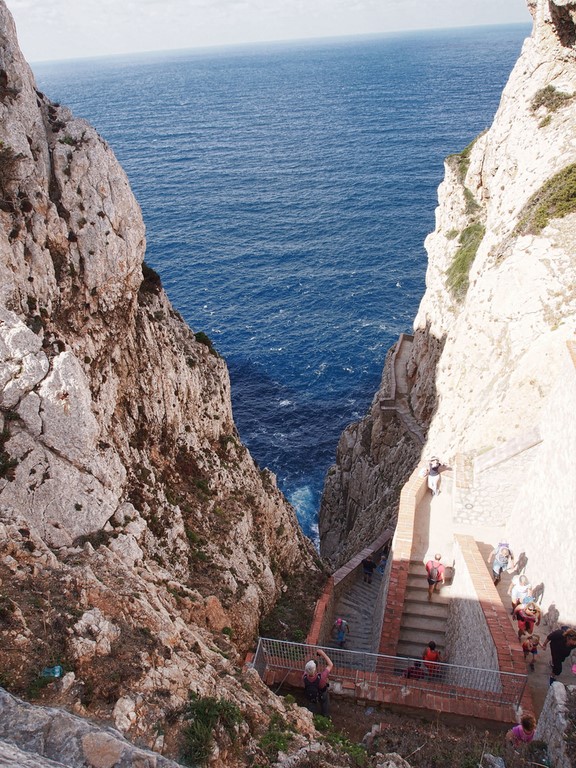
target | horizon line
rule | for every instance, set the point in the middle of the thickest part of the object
(283, 41)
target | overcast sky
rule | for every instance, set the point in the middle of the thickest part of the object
(64, 29)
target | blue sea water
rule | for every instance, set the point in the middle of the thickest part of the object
(287, 190)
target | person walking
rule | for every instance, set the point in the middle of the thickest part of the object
(368, 568)
(518, 589)
(562, 642)
(527, 615)
(340, 629)
(316, 683)
(435, 574)
(530, 645)
(502, 559)
(434, 475)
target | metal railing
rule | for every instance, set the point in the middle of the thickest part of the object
(369, 669)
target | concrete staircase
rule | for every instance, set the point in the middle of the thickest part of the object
(357, 607)
(422, 620)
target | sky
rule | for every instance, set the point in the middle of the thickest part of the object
(71, 29)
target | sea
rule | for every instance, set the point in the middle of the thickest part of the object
(287, 189)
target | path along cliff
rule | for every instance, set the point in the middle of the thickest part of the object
(490, 337)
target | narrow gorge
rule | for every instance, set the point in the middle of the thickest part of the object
(140, 545)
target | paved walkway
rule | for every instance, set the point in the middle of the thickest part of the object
(435, 515)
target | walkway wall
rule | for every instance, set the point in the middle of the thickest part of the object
(337, 585)
(552, 724)
(479, 612)
(543, 518)
(400, 555)
(468, 638)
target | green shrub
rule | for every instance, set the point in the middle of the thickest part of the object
(545, 121)
(197, 743)
(356, 752)
(274, 742)
(277, 738)
(457, 274)
(203, 338)
(203, 715)
(471, 205)
(550, 98)
(461, 160)
(554, 200)
(37, 685)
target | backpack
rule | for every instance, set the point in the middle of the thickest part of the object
(312, 688)
(434, 573)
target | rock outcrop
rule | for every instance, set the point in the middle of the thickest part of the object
(140, 546)
(490, 335)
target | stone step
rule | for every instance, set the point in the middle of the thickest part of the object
(421, 637)
(418, 579)
(432, 608)
(424, 623)
(414, 595)
(413, 650)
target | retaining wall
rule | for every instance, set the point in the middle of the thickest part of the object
(468, 638)
(552, 724)
(400, 555)
(337, 585)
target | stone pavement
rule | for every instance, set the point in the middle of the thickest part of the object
(487, 537)
(539, 679)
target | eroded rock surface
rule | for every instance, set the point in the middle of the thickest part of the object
(140, 546)
(490, 338)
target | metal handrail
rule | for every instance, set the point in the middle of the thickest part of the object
(365, 669)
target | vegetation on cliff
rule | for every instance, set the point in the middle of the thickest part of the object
(457, 274)
(555, 199)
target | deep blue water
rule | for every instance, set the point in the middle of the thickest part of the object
(287, 190)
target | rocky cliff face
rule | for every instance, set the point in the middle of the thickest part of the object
(500, 296)
(140, 545)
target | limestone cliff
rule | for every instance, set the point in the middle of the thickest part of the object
(490, 335)
(140, 545)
